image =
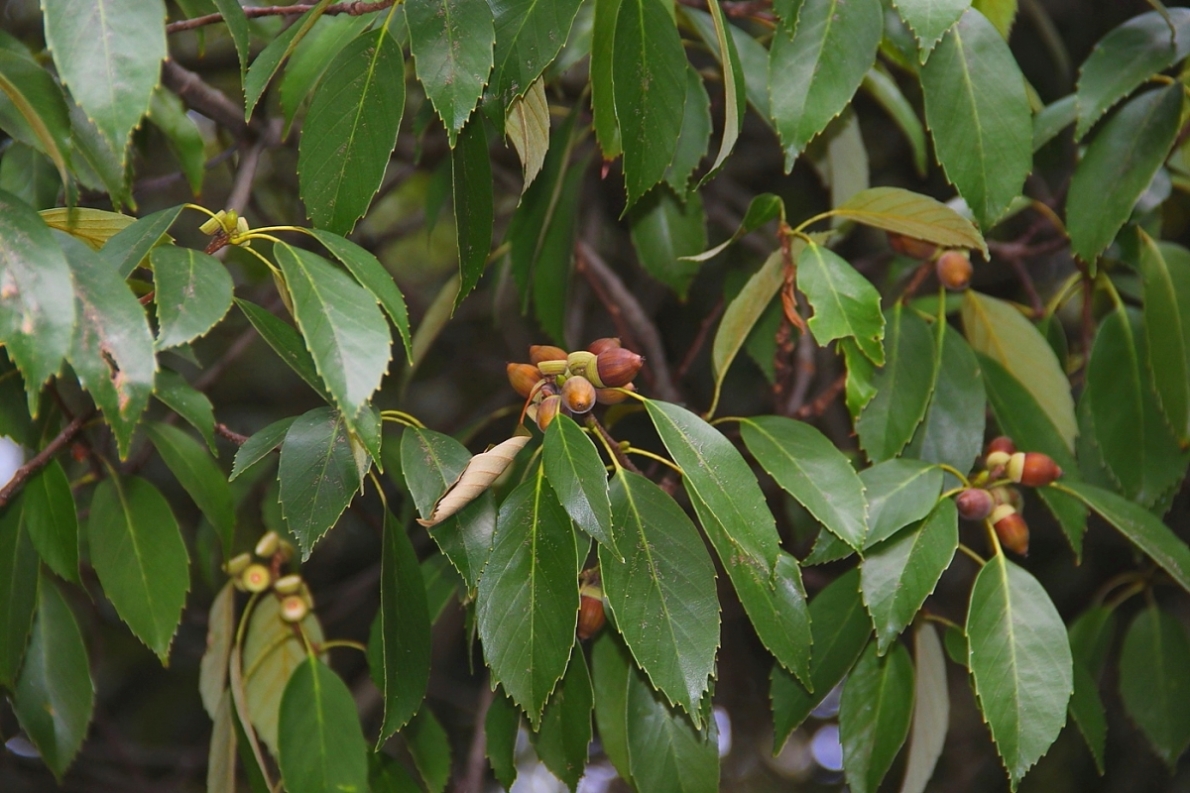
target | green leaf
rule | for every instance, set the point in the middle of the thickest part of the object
(911, 214)
(531, 573)
(575, 472)
(1137, 524)
(529, 35)
(1092, 635)
(237, 26)
(841, 630)
(663, 593)
(221, 757)
(29, 175)
(734, 90)
(33, 93)
(212, 670)
(54, 695)
(1001, 13)
(527, 127)
(1137, 446)
(99, 165)
(108, 54)
(845, 303)
(666, 753)
(1052, 119)
(809, 467)
(1155, 679)
(442, 584)
(1118, 166)
(999, 331)
(501, 726)
(742, 314)
(931, 710)
(694, 137)
(649, 88)
(139, 555)
(899, 492)
(261, 72)
(48, 513)
(761, 209)
(405, 629)
(130, 248)
(36, 309)
(903, 387)
(1167, 331)
(321, 744)
(194, 292)
(343, 328)
(1127, 56)
(898, 575)
(930, 19)
(978, 113)
(92, 226)
(471, 180)
(953, 428)
(1087, 710)
(603, 106)
(610, 667)
(257, 447)
(286, 342)
(199, 474)
(172, 390)
(182, 134)
(318, 474)
(665, 231)
(431, 462)
(386, 774)
(350, 131)
(884, 89)
(874, 713)
(816, 66)
(112, 349)
(728, 495)
(18, 588)
(452, 47)
(1020, 659)
(313, 55)
(565, 732)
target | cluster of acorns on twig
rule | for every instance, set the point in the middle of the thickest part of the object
(555, 381)
(1001, 504)
(953, 267)
(259, 571)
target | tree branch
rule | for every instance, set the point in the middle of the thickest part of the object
(354, 9)
(200, 96)
(43, 457)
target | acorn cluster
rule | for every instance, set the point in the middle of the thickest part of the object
(260, 571)
(953, 266)
(1001, 504)
(556, 381)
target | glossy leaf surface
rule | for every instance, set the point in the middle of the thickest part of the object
(931, 709)
(452, 47)
(874, 714)
(903, 387)
(666, 753)
(575, 472)
(1154, 680)
(193, 292)
(199, 474)
(404, 626)
(845, 303)
(318, 733)
(912, 214)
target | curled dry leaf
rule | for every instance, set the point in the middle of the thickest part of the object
(483, 469)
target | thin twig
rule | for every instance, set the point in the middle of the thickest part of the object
(1022, 274)
(751, 9)
(613, 445)
(804, 370)
(43, 457)
(224, 431)
(356, 8)
(704, 330)
(820, 403)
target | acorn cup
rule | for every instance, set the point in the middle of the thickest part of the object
(293, 608)
(974, 503)
(954, 270)
(1032, 469)
(996, 462)
(256, 578)
(268, 544)
(1011, 528)
(522, 377)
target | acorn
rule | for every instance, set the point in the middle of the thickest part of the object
(614, 368)
(911, 246)
(1011, 528)
(954, 269)
(288, 585)
(293, 608)
(996, 462)
(606, 343)
(578, 394)
(236, 564)
(590, 611)
(613, 396)
(545, 352)
(522, 377)
(974, 503)
(547, 409)
(256, 578)
(268, 544)
(1033, 469)
(1001, 443)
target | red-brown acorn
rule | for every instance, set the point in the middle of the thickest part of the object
(1033, 469)
(974, 503)
(616, 367)
(522, 377)
(954, 270)
(606, 343)
(590, 611)
(1011, 528)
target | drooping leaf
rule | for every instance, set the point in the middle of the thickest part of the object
(286, 342)
(130, 247)
(18, 589)
(237, 26)
(343, 328)
(1125, 58)
(565, 734)
(318, 475)
(199, 474)
(809, 467)
(139, 555)
(841, 630)
(897, 575)
(930, 19)
(221, 626)
(903, 387)
(405, 628)
(182, 134)
(575, 472)
(979, 116)
(172, 390)
(888, 94)
(953, 428)
(1087, 711)
(665, 231)
(501, 726)
(1167, 331)
(221, 756)
(899, 492)
(266, 64)
(610, 666)
(37, 310)
(98, 164)
(845, 303)
(874, 714)
(912, 214)
(529, 35)
(761, 209)
(931, 710)
(193, 292)
(29, 175)
(313, 56)
(452, 47)
(471, 180)
(649, 89)
(258, 446)
(667, 754)
(33, 93)
(742, 314)
(1021, 663)
(663, 593)
(1001, 13)
(527, 125)
(1118, 166)
(999, 331)
(1154, 679)
(694, 137)
(477, 476)
(734, 99)
(530, 574)
(48, 513)
(54, 695)
(603, 103)
(108, 54)
(319, 737)
(95, 227)
(1052, 119)
(816, 66)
